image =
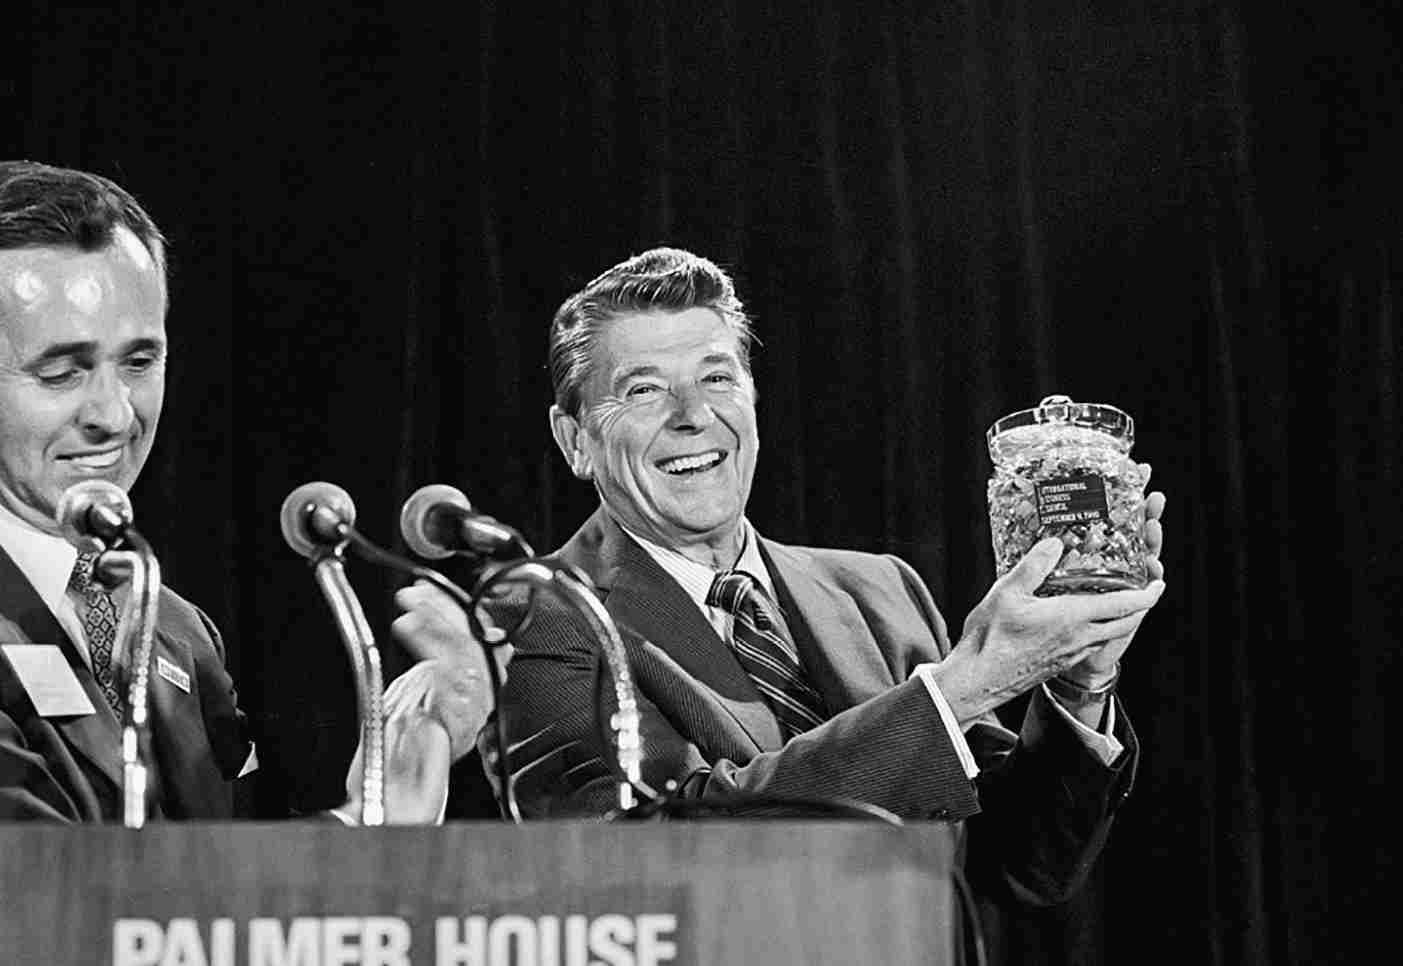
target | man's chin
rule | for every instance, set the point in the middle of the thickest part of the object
(117, 476)
(713, 529)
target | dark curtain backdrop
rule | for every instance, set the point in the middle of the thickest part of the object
(937, 215)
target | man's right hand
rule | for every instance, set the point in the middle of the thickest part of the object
(451, 681)
(432, 625)
(1013, 641)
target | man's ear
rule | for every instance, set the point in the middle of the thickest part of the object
(569, 436)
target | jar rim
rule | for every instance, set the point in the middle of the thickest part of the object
(1058, 410)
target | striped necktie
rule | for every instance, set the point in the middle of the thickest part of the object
(99, 625)
(765, 651)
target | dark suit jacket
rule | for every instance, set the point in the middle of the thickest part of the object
(861, 623)
(69, 768)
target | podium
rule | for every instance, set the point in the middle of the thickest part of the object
(477, 894)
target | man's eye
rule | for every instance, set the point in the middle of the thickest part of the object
(642, 389)
(142, 363)
(720, 379)
(58, 378)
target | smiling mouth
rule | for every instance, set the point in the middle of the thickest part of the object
(687, 465)
(95, 461)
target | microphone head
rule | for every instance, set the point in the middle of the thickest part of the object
(92, 513)
(310, 515)
(414, 519)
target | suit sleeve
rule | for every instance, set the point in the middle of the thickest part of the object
(226, 726)
(1045, 801)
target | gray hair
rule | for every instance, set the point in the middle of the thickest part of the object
(659, 280)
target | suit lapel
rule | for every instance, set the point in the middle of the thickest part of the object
(644, 599)
(96, 736)
(835, 644)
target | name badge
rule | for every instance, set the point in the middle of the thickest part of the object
(172, 674)
(48, 680)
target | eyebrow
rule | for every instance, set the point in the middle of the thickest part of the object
(64, 350)
(710, 359)
(632, 372)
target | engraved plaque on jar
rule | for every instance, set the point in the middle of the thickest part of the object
(1063, 469)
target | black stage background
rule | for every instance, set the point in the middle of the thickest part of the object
(937, 216)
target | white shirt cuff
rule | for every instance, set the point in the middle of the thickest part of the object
(926, 672)
(1103, 744)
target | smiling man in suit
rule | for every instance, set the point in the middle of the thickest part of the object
(782, 673)
(82, 382)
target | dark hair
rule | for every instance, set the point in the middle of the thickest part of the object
(659, 280)
(44, 205)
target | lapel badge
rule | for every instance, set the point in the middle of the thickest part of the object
(172, 674)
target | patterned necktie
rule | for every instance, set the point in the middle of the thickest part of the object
(99, 624)
(765, 651)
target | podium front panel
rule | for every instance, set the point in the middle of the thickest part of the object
(476, 894)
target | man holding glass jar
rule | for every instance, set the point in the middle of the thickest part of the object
(776, 674)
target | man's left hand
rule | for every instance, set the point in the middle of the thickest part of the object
(1098, 668)
(432, 714)
(418, 755)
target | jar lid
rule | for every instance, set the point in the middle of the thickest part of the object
(1091, 422)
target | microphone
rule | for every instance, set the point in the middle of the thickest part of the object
(438, 521)
(315, 517)
(93, 514)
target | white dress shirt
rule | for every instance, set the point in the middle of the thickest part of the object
(47, 561)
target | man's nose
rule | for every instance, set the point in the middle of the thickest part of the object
(107, 410)
(690, 410)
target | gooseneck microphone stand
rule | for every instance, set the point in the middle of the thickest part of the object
(328, 568)
(316, 520)
(575, 590)
(139, 623)
(97, 515)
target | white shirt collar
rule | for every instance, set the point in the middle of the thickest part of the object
(46, 560)
(696, 578)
